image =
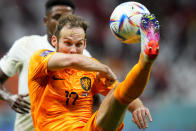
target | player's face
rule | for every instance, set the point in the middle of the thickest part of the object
(54, 14)
(71, 40)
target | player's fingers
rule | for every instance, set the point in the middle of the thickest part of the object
(143, 112)
(23, 106)
(25, 102)
(133, 119)
(141, 121)
(114, 77)
(20, 104)
(25, 95)
(148, 115)
(21, 109)
(136, 119)
(24, 110)
(16, 109)
(109, 82)
(111, 75)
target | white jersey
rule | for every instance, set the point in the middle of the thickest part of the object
(17, 61)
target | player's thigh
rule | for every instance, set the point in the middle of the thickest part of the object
(92, 125)
(111, 113)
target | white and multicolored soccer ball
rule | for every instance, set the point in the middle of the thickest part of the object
(125, 21)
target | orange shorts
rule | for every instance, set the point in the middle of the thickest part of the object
(92, 126)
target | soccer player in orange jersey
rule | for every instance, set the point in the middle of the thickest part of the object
(62, 83)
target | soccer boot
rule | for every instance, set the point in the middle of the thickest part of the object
(149, 29)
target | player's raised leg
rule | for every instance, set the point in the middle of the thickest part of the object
(112, 110)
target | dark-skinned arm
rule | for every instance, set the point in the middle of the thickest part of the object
(16, 102)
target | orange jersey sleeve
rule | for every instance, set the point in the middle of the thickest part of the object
(38, 63)
(37, 78)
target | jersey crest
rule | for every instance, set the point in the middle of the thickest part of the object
(85, 83)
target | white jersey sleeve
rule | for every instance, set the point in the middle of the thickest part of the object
(12, 61)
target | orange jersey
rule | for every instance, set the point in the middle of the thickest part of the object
(61, 100)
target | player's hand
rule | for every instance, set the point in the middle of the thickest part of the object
(140, 115)
(109, 75)
(18, 104)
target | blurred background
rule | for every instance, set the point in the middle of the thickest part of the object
(171, 91)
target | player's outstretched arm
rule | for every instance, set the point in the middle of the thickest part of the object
(16, 102)
(80, 62)
(3, 93)
(139, 113)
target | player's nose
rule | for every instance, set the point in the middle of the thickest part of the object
(73, 50)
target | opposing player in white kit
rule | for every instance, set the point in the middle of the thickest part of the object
(17, 60)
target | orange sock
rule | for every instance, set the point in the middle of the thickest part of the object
(134, 83)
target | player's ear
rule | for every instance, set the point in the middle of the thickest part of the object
(45, 19)
(54, 41)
